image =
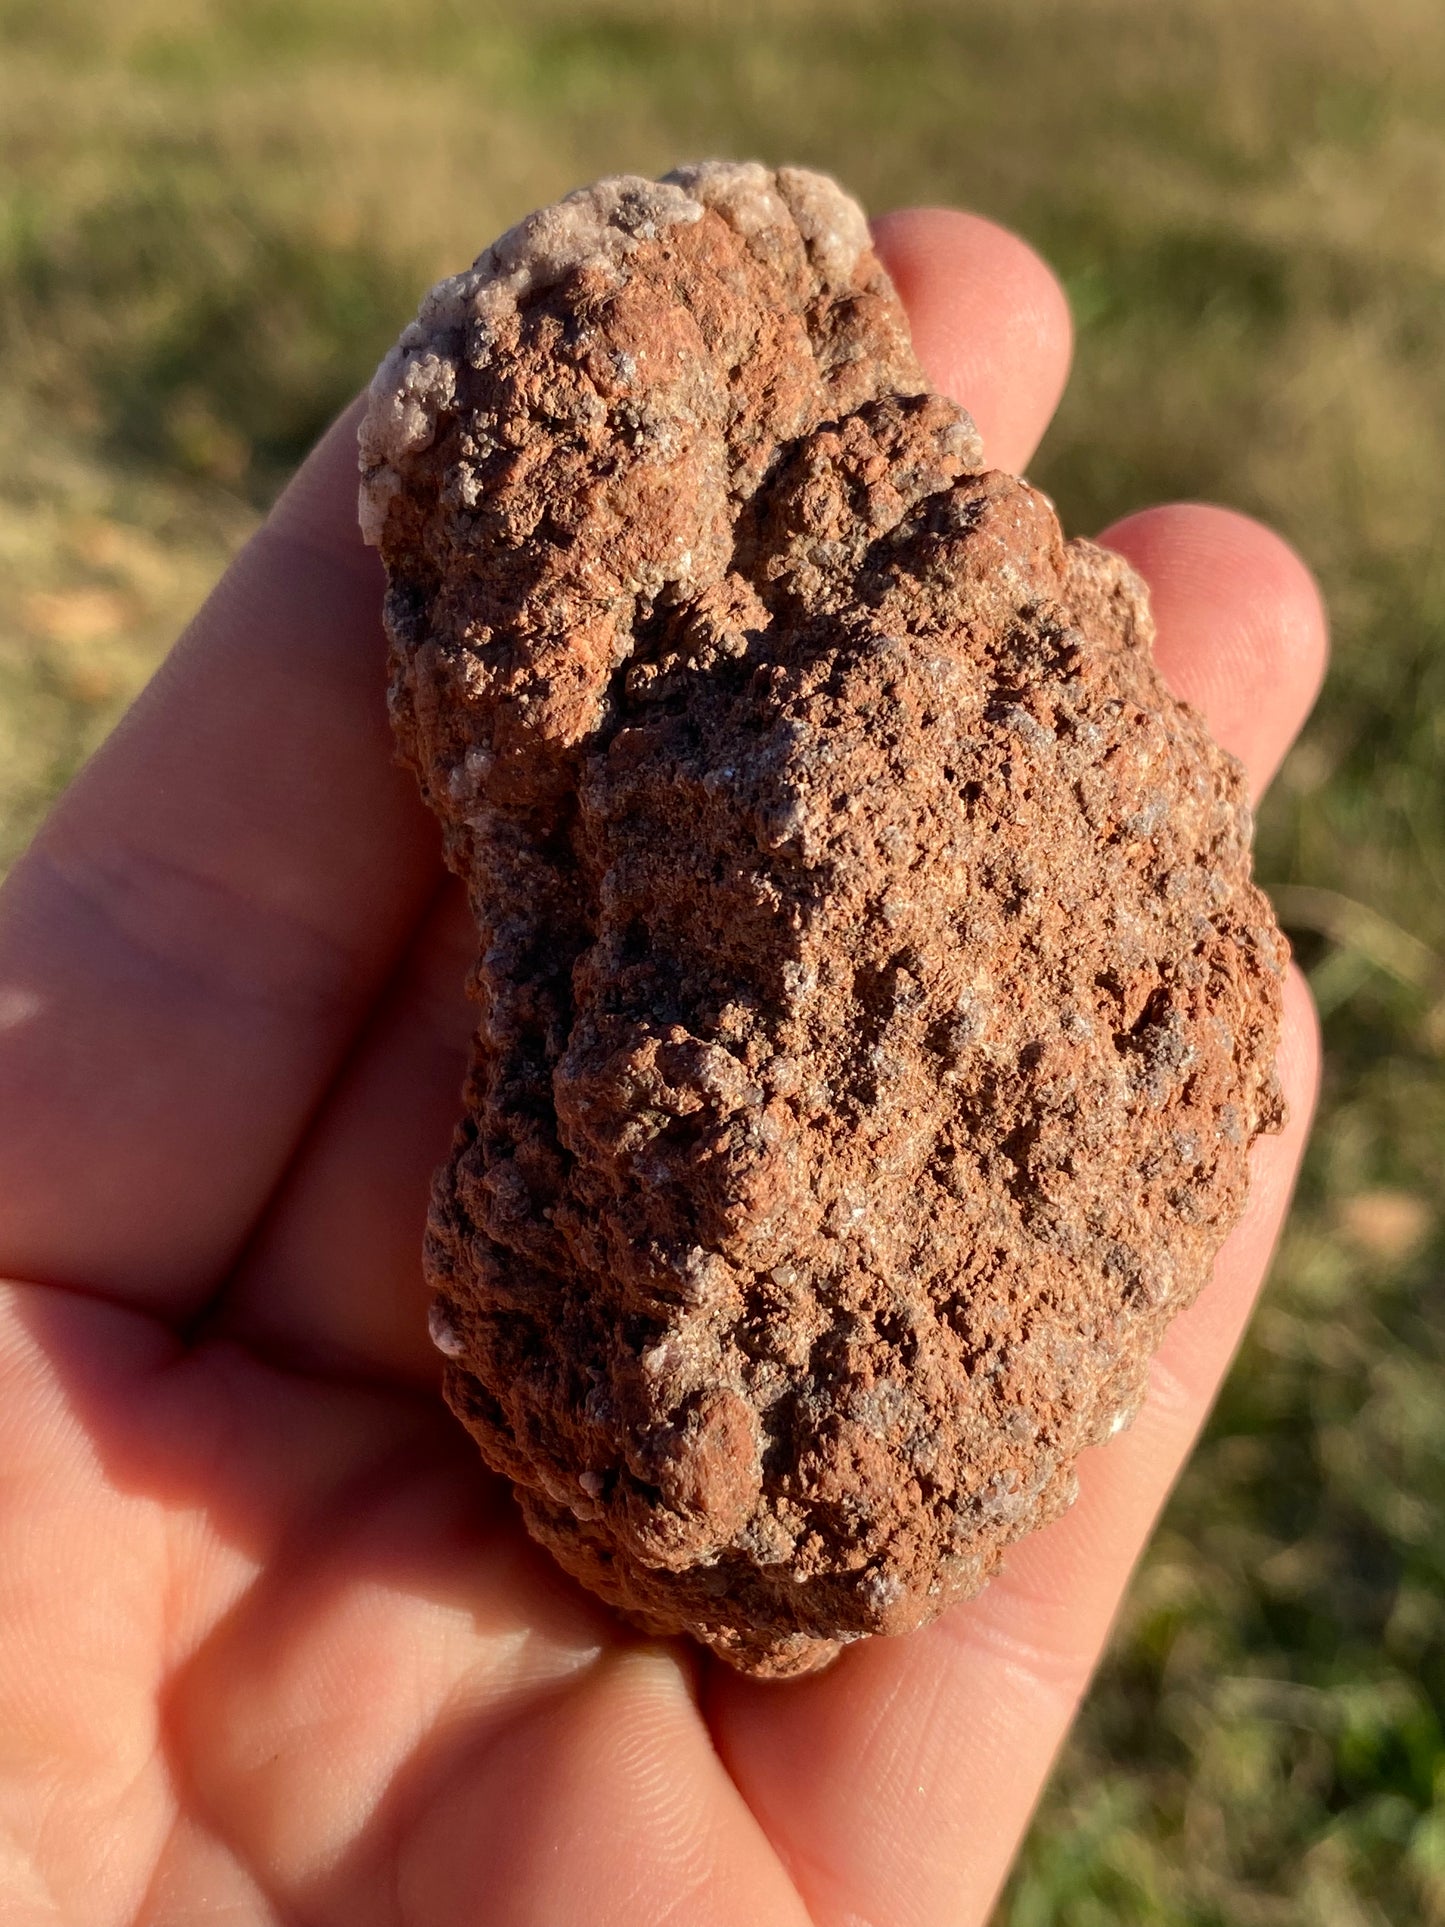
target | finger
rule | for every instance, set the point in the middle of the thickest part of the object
(608, 1806)
(990, 322)
(1242, 629)
(188, 947)
(896, 1786)
(333, 1279)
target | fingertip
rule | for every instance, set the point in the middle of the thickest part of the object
(990, 321)
(318, 506)
(1275, 1159)
(1301, 1053)
(1243, 634)
(1197, 1349)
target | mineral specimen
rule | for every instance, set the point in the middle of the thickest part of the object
(875, 1007)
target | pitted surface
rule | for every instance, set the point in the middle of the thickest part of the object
(875, 1007)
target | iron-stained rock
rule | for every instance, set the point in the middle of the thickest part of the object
(875, 1009)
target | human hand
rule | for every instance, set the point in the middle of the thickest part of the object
(273, 1646)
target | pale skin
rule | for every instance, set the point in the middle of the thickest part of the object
(273, 1647)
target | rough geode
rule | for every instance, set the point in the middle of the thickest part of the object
(875, 1007)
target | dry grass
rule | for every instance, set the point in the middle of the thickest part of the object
(214, 216)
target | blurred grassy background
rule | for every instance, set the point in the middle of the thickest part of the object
(214, 214)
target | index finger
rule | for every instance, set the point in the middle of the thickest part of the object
(188, 946)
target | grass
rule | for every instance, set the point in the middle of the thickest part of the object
(215, 213)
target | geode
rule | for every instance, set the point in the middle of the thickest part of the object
(875, 1009)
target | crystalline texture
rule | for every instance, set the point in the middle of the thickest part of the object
(875, 1007)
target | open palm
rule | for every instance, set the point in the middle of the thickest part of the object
(273, 1648)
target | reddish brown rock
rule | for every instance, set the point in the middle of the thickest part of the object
(875, 1007)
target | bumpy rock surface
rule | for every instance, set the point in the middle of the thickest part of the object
(875, 1008)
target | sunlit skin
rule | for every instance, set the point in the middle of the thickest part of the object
(273, 1647)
